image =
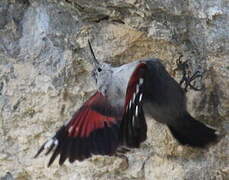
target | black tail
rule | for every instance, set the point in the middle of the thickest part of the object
(189, 131)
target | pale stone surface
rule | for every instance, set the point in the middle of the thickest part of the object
(45, 77)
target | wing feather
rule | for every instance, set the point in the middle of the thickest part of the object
(93, 129)
(133, 125)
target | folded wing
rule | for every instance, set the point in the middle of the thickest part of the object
(133, 126)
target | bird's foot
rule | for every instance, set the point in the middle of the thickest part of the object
(187, 80)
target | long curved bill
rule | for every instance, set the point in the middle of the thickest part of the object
(93, 61)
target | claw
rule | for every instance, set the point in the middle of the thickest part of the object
(187, 77)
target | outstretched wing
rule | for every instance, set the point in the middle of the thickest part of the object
(133, 126)
(94, 129)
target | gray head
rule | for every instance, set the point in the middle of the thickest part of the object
(101, 73)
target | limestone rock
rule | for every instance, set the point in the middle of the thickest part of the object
(44, 66)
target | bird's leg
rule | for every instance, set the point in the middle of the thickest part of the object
(187, 78)
(182, 66)
(196, 75)
(184, 78)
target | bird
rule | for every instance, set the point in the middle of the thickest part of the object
(114, 116)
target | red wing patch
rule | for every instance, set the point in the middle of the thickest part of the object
(94, 129)
(136, 80)
(87, 119)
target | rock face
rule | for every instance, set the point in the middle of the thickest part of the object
(45, 77)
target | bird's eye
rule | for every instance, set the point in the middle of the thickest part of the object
(99, 69)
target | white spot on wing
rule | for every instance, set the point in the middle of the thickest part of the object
(134, 95)
(141, 80)
(137, 89)
(49, 143)
(136, 111)
(130, 104)
(133, 121)
(56, 142)
(70, 129)
(140, 97)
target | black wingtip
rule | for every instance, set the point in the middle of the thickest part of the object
(40, 150)
(54, 155)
